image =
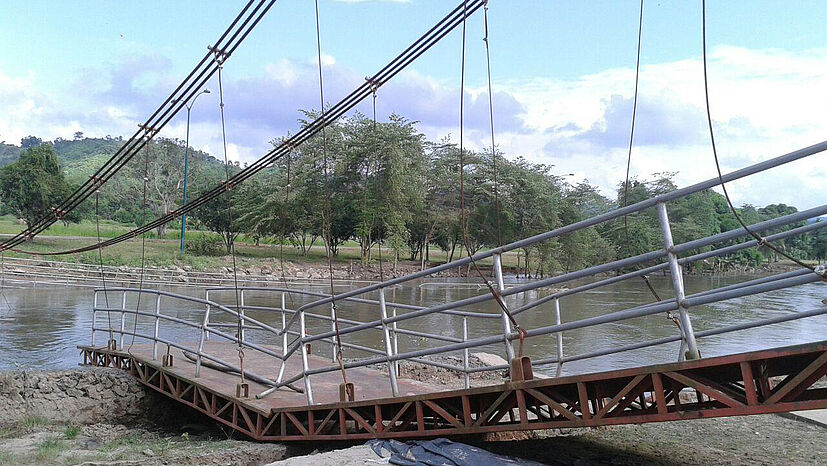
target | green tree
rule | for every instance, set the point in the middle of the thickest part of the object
(30, 141)
(224, 214)
(34, 184)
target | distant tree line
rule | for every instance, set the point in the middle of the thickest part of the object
(390, 186)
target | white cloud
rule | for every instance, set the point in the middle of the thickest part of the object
(327, 60)
(764, 103)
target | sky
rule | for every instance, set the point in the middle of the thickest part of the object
(562, 72)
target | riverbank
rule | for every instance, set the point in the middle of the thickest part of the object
(265, 261)
(251, 272)
(104, 416)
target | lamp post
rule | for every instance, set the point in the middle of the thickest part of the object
(186, 167)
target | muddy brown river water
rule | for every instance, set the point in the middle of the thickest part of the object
(40, 328)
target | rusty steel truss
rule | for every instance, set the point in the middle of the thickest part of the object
(769, 381)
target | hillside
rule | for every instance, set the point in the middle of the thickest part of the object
(79, 158)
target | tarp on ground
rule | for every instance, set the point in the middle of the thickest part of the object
(440, 452)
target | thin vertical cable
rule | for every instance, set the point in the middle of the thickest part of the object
(100, 257)
(632, 130)
(376, 180)
(463, 221)
(230, 232)
(3, 278)
(284, 227)
(486, 39)
(629, 159)
(143, 247)
(760, 239)
(327, 217)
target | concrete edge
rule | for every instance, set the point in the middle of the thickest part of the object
(805, 419)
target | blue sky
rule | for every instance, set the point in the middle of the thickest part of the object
(562, 74)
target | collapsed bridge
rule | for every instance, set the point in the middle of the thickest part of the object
(289, 384)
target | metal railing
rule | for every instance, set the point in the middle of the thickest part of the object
(308, 316)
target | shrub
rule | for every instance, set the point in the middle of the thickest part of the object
(204, 245)
(123, 216)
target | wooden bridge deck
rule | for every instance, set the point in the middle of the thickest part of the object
(776, 380)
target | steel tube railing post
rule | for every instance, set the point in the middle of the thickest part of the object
(677, 283)
(498, 276)
(465, 374)
(207, 322)
(157, 325)
(305, 365)
(334, 340)
(204, 334)
(395, 340)
(241, 316)
(559, 336)
(383, 311)
(283, 337)
(123, 315)
(94, 314)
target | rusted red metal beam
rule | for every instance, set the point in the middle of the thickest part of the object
(759, 382)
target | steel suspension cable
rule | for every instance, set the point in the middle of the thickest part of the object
(413, 52)
(327, 220)
(760, 239)
(463, 220)
(162, 115)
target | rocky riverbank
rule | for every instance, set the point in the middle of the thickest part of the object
(104, 416)
(251, 272)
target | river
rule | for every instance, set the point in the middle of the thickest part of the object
(41, 327)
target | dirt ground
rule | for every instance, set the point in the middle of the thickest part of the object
(753, 440)
(32, 442)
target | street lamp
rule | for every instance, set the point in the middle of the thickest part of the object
(186, 167)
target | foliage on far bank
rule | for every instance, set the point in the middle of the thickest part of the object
(387, 187)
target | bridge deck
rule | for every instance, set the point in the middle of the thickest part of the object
(776, 380)
(371, 383)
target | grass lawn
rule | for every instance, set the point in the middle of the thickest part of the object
(165, 252)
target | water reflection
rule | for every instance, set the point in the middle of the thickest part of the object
(41, 327)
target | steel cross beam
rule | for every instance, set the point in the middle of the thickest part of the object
(759, 382)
